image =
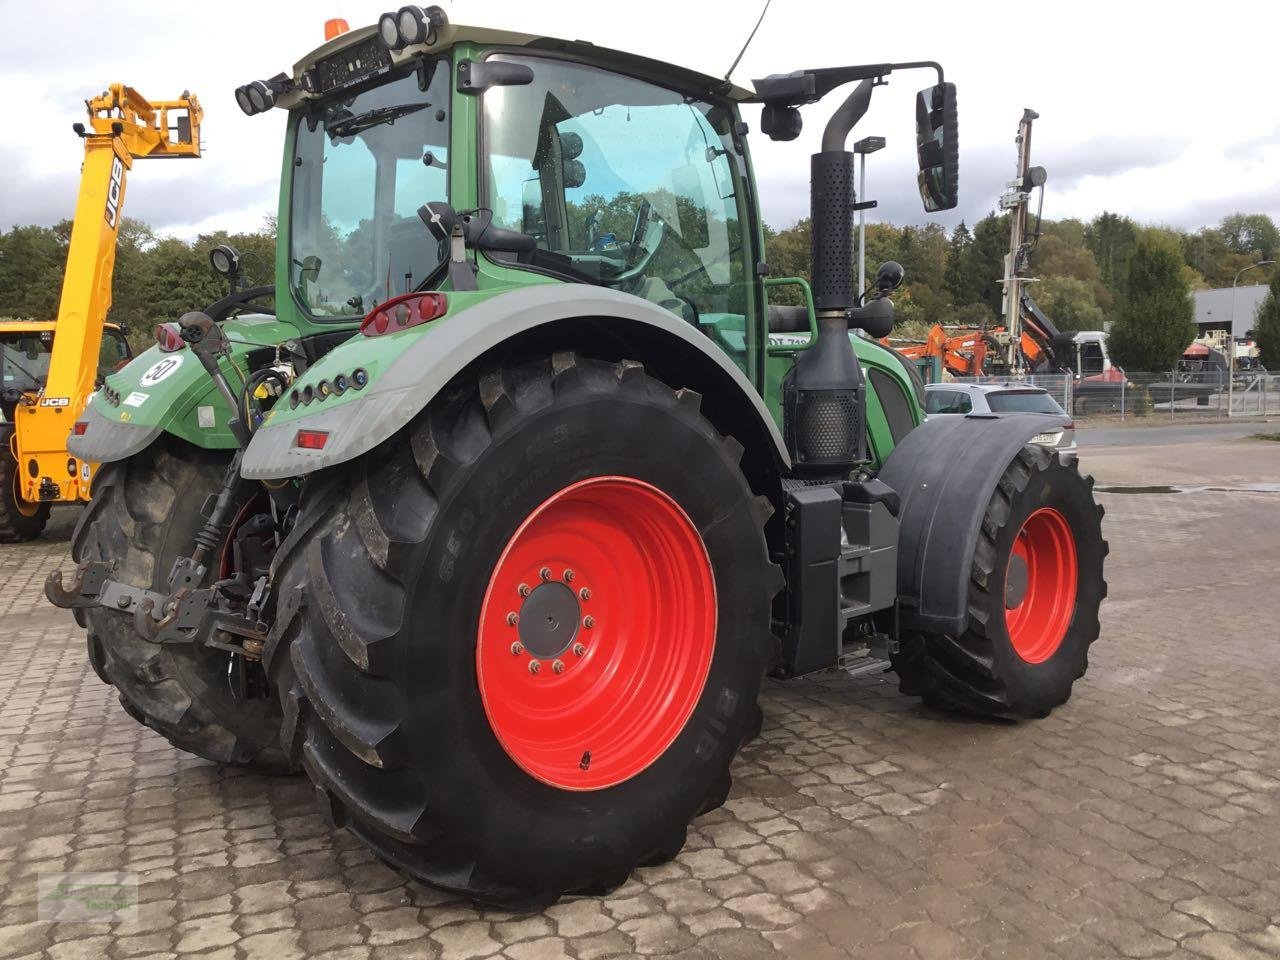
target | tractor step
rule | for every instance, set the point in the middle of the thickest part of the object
(866, 655)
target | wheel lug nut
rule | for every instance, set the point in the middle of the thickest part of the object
(558, 666)
(517, 648)
(579, 649)
(524, 589)
(588, 621)
(534, 666)
(568, 576)
(512, 619)
(584, 593)
(545, 573)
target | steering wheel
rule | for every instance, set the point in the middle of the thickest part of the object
(646, 238)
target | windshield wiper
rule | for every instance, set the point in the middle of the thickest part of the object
(350, 126)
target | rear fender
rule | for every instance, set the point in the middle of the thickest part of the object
(945, 471)
(406, 369)
(170, 392)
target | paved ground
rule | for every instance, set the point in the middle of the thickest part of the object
(1141, 820)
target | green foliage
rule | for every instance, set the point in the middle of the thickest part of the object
(1154, 322)
(1070, 302)
(1266, 326)
(1112, 238)
(1254, 234)
(154, 280)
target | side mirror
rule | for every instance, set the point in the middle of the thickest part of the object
(889, 276)
(937, 147)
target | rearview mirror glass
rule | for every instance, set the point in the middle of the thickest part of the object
(937, 147)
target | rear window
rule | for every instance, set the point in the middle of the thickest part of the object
(1023, 401)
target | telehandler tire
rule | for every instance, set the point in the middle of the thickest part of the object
(19, 521)
(1034, 591)
(144, 514)
(531, 632)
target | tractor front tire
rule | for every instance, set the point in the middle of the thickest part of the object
(530, 630)
(143, 516)
(20, 521)
(1035, 587)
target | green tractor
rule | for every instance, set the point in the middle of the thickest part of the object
(495, 521)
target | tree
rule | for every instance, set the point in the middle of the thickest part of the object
(1154, 322)
(986, 261)
(958, 279)
(1069, 303)
(1112, 239)
(1251, 233)
(1266, 325)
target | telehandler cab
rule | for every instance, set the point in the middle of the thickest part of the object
(496, 526)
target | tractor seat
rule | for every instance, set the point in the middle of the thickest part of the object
(788, 319)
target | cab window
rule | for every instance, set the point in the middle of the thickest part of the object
(113, 352)
(625, 184)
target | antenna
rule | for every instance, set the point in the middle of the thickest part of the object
(734, 65)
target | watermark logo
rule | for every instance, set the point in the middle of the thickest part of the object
(88, 897)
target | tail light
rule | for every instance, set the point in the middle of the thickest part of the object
(1069, 425)
(400, 313)
(80, 427)
(168, 337)
(311, 439)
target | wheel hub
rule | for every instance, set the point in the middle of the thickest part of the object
(549, 620)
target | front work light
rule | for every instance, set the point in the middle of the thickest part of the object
(409, 25)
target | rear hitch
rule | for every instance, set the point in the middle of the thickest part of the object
(85, 589)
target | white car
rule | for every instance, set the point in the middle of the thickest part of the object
(960, 399)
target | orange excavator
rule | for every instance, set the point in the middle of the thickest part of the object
(969, 352)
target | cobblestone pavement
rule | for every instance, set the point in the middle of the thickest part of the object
(1141, 820)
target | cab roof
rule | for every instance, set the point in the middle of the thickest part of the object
(453, 34)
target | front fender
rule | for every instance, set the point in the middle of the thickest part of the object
(945, 471)
(170, 392)
(408, 368)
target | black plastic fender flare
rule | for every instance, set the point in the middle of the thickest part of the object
(945, 471)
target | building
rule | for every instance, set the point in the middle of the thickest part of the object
(1215, 310)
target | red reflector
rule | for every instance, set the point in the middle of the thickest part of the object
(311, 439)
(335, 28)
(400, 313)
(168, 337)
(80, 427)
(1070, 425)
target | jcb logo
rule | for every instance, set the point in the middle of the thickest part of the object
(114, 189)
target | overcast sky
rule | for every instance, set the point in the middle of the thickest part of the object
(1164, 111)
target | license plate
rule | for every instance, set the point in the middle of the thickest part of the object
(1049, 439)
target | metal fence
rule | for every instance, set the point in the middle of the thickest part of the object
(1176, 395)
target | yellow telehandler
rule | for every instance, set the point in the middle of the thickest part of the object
(50, 368)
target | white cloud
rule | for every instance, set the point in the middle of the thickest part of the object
(1153, 110)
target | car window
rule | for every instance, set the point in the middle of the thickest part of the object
(1023, 401)
(947, 401)
(936, 400)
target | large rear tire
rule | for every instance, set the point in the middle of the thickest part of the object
(1035, 587)
(531, 632)
(20, 521)
(144, 515)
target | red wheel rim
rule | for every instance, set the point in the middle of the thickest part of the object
(1040, 585)
(589, 704)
